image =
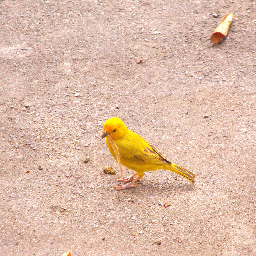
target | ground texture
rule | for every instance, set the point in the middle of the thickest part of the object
(67, 66)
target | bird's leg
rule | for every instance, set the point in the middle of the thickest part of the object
(128, 185)
(131, 178)
(122, 174)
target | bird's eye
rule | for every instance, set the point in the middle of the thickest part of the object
(114, 130)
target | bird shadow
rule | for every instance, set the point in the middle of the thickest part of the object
(167, 186)
(150, 188)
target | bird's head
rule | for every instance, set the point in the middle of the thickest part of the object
(115, 128)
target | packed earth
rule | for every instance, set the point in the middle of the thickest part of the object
(68, 66)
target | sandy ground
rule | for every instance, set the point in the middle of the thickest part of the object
(68, 66)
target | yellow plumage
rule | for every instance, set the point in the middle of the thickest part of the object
(135, 153)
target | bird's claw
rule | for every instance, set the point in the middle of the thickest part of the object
(128, 185)
(131, 178)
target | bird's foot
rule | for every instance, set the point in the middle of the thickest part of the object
(129, 185)
(131, 178)
(121, 179)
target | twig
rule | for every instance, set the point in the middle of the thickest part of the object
(115, 148)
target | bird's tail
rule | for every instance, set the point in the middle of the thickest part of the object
(182, 172)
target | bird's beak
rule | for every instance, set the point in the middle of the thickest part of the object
(104, 134)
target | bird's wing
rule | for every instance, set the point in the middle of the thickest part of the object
(151, 149)
(150, 155)
(135, 148)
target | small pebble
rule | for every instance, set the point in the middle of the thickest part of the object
(86, 160)
(158, 242)
(166, 204)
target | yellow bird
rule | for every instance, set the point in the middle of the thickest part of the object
(132, 151)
